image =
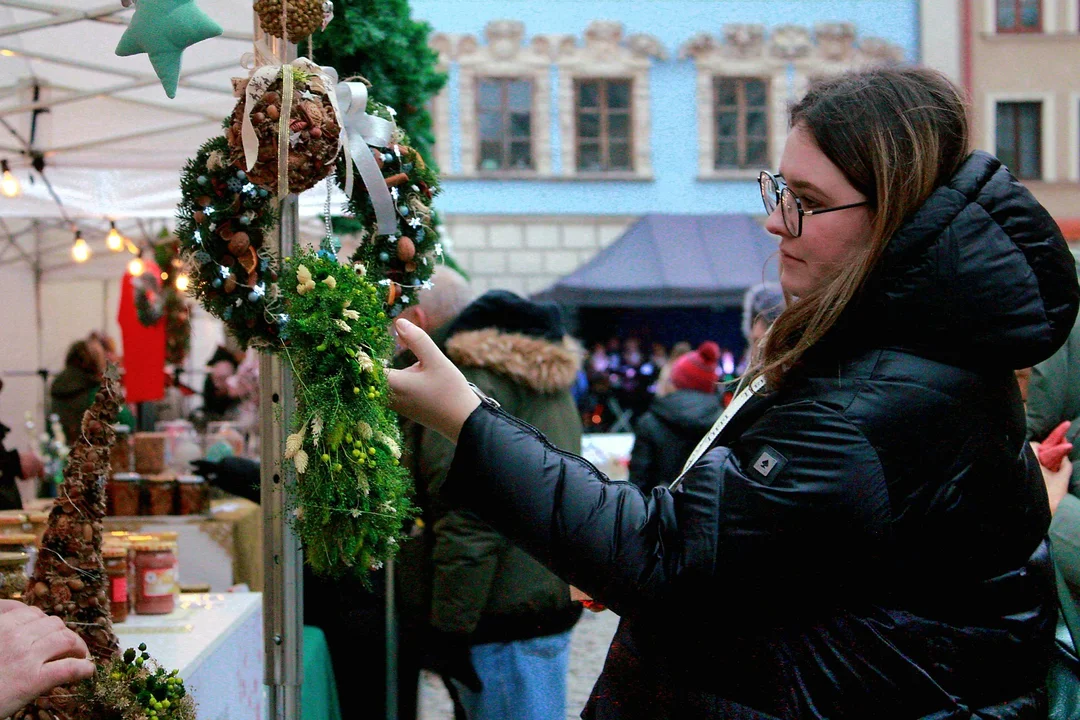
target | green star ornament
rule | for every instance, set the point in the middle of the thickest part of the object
(163, 29)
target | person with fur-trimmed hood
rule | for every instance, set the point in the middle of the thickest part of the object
(502, 620)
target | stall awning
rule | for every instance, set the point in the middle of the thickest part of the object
(673, 261)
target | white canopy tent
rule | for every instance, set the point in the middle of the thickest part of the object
(92, 137)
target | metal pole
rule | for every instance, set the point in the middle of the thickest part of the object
(391, 646)
(283, 594)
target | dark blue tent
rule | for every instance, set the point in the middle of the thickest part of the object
(673, 261)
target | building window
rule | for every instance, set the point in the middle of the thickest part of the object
(603, 125)
(1018, 16)
(1019, 138)
(504, 123)
(740, 109)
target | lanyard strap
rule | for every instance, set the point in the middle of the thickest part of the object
(718, 426)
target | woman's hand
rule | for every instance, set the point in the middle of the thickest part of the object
(1057, 481)
(432, 392)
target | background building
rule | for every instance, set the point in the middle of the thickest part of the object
(563, 121)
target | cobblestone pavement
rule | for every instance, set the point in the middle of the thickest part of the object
(588, 647)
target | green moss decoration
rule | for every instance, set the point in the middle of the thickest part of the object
(222, 224)
(352, 495)
(135, 687)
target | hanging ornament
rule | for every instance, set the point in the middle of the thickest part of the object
(163, 29)
(302, 17)
(284, 130)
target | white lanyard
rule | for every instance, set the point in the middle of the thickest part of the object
(719, 425)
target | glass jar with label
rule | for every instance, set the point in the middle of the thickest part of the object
(193, 495)
(155, 577)
(13, 521)
(124, 493)
(12, 575)
(116, 570)
(121, 454)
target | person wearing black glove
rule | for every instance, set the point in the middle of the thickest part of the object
(235, 475)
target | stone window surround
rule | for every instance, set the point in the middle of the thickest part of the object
(1048, 17)
(1048, 128)
(604, 54)
(745, 52)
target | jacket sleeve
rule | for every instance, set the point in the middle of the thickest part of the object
(730, 531)
(1052, 399)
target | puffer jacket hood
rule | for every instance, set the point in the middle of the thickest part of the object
(688, 411)
(978, 276)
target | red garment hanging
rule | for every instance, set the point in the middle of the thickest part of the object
(144, 347)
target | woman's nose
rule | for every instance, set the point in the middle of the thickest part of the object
(775, 222)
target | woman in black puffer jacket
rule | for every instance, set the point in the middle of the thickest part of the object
(866, 537)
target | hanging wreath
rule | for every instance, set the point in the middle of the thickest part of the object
(352, 495)
(404, 260)
(222, 222)
(149, 300)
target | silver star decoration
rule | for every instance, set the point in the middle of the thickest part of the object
(414, 221)
(249, 188)
(259, 290)
(213, 226)
(308, 95)
(294, 139)
(198, 236)
(239, 302)
(225, 272)
(438, 249)
(394, 193)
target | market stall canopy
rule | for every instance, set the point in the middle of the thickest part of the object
(112, 142)
(673, 261)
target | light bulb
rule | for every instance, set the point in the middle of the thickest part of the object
(131, 247)
(182, 281)
(9, 184)
(80, 251)
(114, 240)
(135, 267)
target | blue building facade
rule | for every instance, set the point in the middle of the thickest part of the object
(565, 120)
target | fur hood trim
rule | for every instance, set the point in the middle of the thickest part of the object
(540, 364)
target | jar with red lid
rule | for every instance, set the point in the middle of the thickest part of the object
(124, 492)
(193, 496)
(155, 577)
(116, 569)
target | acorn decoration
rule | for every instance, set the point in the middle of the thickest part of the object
(302, 17)
(313, 131)
(69, 579)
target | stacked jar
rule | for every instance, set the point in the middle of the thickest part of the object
(13, 576)
(21, 542)
(160, 494)
(193, 495)
(124, 493)
(155, 577)
(115, 557)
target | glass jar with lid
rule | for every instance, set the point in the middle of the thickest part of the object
(25, 543)
(121, 454)
(13, 521)
(160, 494)
(193, 495)
(124, 493)
(155, 577)
(116, 570)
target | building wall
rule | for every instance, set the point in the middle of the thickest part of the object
(523, 231)
(1033, 66)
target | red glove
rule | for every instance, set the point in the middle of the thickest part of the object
(1054, 448)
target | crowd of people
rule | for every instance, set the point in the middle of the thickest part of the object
(880, 520)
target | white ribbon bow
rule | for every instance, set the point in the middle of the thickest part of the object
(359, 131)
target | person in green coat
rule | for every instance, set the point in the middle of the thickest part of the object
(74, 388)
(502, 620)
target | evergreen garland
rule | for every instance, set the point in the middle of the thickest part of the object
(351, 495)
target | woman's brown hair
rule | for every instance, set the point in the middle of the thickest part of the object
(896, 134)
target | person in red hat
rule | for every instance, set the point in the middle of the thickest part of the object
(683, 411)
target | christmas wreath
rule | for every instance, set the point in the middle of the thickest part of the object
(149, 302)
(327, 319)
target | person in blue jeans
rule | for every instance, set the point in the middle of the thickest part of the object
(501, 621)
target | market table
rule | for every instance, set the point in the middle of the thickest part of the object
(215, 640)
(220, 549)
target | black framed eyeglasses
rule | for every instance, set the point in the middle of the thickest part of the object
(791, 209)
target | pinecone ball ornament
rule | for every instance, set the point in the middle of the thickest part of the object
(313, 133)
(69, 579)
(302, 17)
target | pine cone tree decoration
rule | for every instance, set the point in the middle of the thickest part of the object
(69, 578)
(313, 135)
(302, 18)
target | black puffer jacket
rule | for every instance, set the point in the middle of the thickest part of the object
(667, 432)
(892, 562)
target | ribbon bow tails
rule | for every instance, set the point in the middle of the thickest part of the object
(359, 131)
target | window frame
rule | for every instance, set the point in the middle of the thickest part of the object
(1039, 149)
(742, 138)
(1018, 28)
(604, 138)
(507, 139)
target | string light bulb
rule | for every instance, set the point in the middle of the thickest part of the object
(80, 251)
(135, 267)
(114, 240)
(9, 184)
(182, 282)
